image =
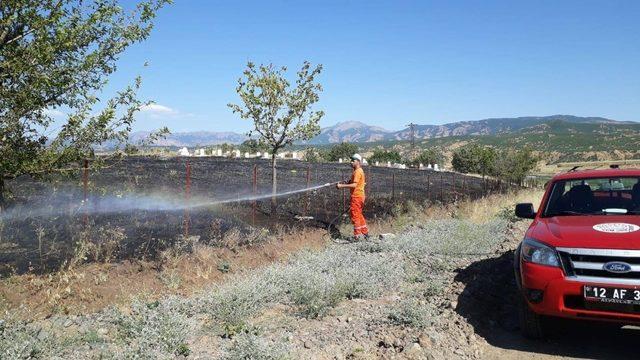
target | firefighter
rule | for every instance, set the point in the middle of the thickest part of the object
(356, 186)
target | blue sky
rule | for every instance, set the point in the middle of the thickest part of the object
(394, 62)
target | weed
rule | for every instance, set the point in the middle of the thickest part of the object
(224, 267)
(171, 279)
(152, 332)
(250, 346)
(410, 313)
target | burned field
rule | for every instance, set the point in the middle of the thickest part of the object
(138, 207)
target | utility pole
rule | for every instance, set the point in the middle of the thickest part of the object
(412, 126)
(413, 154)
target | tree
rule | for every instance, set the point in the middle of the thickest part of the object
(343, 150)
(474, 159)
(252, 146)
(513, 166)
(429, 156)
(57, 55)
(385, 156)
(280, 114)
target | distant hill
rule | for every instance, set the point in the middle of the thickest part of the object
(191, 139)
(359, 132)
(350, 131)
(497, 126)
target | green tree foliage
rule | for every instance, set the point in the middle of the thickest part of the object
(508, 165)
(428, 156)
(384, 156)
(56, 56)
(226, 147)
(474, 159)
(281, 114)
(252, 146)
(312, 155)
(341, 151)
(514, 165)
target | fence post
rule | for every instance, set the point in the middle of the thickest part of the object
(464, 186)
(393, 186)
(187, 196)
(455, 194)
(442, 188)
(85, 187)
(344, 194)
(308, 195)
(429, 185)
(255, 193)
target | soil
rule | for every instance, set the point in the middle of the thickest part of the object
(91, 287)
(487, 301)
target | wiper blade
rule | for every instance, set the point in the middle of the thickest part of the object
(569, 212)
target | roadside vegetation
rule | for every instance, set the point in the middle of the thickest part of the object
(310, 285)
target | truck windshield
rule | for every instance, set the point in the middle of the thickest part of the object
(594, 196)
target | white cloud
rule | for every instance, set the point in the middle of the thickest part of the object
(157, 109)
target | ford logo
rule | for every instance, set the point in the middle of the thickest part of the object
(618, 267)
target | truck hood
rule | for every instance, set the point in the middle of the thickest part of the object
(601, 231)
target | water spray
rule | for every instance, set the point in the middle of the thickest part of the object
(153, 202)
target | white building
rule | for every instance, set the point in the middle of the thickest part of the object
(184, 152)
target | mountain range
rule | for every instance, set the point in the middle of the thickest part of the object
(354, 131)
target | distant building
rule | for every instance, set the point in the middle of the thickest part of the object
(184, 152)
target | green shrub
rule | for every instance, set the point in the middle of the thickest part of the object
(251, 347)
(410, 313)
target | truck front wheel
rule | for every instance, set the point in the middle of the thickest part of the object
(531, 324)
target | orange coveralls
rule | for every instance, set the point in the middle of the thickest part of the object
(357, 203)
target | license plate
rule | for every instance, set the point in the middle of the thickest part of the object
(612, 295)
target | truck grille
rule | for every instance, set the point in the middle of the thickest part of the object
(588, 265)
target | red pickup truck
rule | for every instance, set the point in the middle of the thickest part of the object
(580, 258)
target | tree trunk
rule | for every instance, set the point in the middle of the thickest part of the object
(274, 184)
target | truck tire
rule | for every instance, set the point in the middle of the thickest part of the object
(531, 324)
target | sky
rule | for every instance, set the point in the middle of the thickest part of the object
(389, 63)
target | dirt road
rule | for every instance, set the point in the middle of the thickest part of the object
(488, 303)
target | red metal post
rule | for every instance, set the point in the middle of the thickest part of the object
(85, 186)
(187, 196)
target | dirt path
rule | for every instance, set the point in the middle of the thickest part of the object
(488, 303)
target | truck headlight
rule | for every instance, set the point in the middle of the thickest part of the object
(538, 253)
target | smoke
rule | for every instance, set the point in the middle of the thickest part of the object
(132, 202)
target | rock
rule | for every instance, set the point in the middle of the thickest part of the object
(413, 351)
(103, 331)
(67, 323)
(426, 341)
(349, 320)
(307, 344)
(386, 342)
(459, 352)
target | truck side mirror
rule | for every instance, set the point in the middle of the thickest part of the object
(525, 211)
